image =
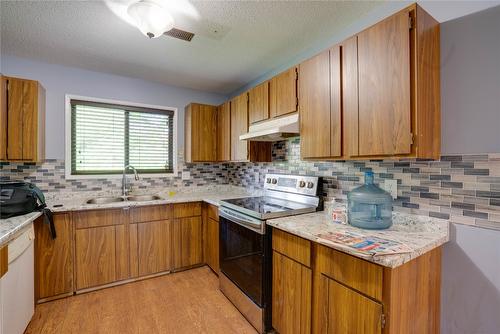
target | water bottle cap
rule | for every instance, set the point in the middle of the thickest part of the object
(369, 173)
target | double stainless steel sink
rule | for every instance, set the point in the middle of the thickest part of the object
(132, 198)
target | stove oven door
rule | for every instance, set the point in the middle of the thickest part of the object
(242, 248)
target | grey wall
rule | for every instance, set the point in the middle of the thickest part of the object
(470, 100)
(470, 83)
(470, 297)
(61, 80)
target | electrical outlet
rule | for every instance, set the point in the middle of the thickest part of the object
(391, 186)
(185, 176)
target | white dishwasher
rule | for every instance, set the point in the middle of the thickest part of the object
(17, 285)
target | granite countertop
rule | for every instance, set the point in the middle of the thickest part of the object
(75, 201)
(420, 233)
(10, 228)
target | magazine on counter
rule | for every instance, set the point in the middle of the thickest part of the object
(366, 244)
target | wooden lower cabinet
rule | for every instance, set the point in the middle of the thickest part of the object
(95, 250)
(212, 245)
(53, 258)
(351, 295)
(347, 311)
(187, 242)
(154, 247)
(291, 295)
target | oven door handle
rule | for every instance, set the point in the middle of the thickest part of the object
(254, 226)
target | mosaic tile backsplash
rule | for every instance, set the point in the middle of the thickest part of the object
(464, 189)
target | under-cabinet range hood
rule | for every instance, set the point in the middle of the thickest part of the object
(274, 130)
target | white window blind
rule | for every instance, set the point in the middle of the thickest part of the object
(107, 137)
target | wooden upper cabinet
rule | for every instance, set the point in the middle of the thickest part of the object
(258, 103)
(283, 93)
(200, 133)
(314, 106)
(239, 126)
(224, 132)
(22, 120)
(385, 87)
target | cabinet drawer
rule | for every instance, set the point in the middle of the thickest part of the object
(150, 213)
(187, 210)
(95, 218)
(213, 212)
(360, 275)
(294, 247)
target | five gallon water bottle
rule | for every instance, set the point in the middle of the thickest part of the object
(369, 206)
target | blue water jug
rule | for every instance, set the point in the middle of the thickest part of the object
(369, 206)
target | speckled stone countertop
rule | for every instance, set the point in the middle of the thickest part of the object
(10, 228)
(74, 201)
(420, 233)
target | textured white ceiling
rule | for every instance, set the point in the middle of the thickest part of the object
(254, 37)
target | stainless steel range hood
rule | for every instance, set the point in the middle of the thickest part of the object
(274, 130)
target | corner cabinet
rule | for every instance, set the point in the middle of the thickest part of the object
(387, 78)
(22, 120)
(317, 289)
(200, 129)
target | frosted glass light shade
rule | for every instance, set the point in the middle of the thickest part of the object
(151, 18)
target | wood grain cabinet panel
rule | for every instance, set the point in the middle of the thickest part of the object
(224, 132)
(283, 93)
(95, 218)
(314, 106)
(22, 120)
(239, 126)
(385, 87)
(187, 209)
(187, 242)
(349, 312)
(211, 244)
(291, 300)
(150, 213)
(4, 260)
(200, 133)
(154, 247)
(95, 256)
(258, 103)
(296, 248)
(53, 258)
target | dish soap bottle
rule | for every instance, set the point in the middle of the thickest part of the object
(369, 206)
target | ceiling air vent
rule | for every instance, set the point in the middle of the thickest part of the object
(180, 34)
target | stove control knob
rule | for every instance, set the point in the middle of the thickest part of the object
(268, 180)
(275, 181)
(302, 184)
(310, 185)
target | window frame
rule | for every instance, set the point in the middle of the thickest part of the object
(67, 137)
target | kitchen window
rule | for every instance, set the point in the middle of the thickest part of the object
(104, 137)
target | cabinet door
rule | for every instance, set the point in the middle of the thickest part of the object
(258, 103)
(212, 244)
(187, 242)
(239, 126)
(95, 256)
(201, 129)
(385, 87)
(53, 258)
(291, 295)
(314, 106)
(3, 118)
(283, 93)
(224, 132)
(15, 93)
(335, 103)
(154, 247)
(350, 312)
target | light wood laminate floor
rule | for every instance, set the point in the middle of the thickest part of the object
(184, 302)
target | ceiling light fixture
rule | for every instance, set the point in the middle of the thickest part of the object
(151, 18)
